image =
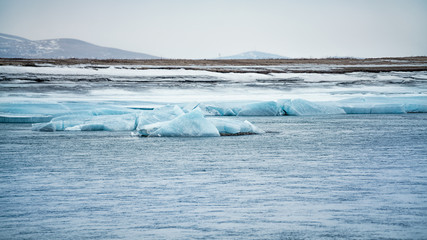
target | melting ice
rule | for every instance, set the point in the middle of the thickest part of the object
(179, 102)
(190, 119)
(167, 121)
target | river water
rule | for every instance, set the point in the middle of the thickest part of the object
(308, 177)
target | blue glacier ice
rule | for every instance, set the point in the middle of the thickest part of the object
(234, 127)
(166, 121)
(375, 109)
(160, 114)
(301, 107)
(36, 112)
(265, 108)
(415, 108)
(85, 122)
(27, 112)
(192, 124)
(125, 122)
(218, 109)
(24, 118)
(28, 108)
(384, 105)
(189, 120)
(293, 107)
(269, 108)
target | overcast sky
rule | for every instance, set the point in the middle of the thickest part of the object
(206, 29)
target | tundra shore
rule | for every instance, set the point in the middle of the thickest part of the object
(266, 66)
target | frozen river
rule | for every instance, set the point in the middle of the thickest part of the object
(70, 167)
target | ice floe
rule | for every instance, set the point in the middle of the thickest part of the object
(196, 119)
(86, 122)
(167, 121)
(233, 127)
(192, 124)
(301, 107)
(384, 105)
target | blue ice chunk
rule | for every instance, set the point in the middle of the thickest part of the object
(192, 124)
(94, 109)
(161, 114)
(415, 108)
(214, 109)
(36, 112)
(415, 104)
(24, 118)
(269, 108)
(356, 109)
(301, 107)
(125, 122)
(33, 108)
(360, 105)
(388, 109)
(23, 112)
(384, 105)
(218, 110)
(92, 127)
(375, 109)
(62, 122)
(234, 127)
(44, 127)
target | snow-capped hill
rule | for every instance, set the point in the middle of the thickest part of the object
(253, 55)
(17, 47)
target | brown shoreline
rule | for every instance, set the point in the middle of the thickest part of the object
(336, 65)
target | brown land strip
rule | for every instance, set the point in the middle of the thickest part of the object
(343, 65)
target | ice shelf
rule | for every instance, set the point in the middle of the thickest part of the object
(190, 119)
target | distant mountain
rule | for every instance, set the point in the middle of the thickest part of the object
(17, 47)
(253, 55)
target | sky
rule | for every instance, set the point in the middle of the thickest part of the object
(208, 29)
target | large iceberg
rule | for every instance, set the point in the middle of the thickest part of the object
(82, 122)
(269, 108)
(293, 107)
(192, 124)
(301, 107)
(384, 105)
(36, 112)
(266, 108)
(232, 127)
(375, 109)
(160, 114)
(27, 112)
(166, 121)
(213, 109)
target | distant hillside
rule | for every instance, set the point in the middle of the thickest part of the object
(254, 55)
(17, 47)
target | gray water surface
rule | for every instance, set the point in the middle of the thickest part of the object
(323, 177)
